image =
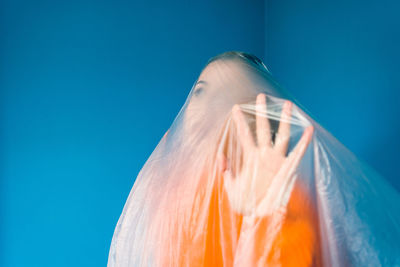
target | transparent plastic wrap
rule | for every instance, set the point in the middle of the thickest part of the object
(246, 177)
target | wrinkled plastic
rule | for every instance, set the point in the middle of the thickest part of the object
(237, 182)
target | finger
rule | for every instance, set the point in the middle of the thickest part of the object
(294, 158)
(283, 134)
(262, 123)
(243, 129)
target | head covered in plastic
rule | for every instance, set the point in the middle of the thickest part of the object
(184, 209)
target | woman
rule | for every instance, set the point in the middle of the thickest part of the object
(235, 182)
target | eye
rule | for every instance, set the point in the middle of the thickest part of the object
(198, 91)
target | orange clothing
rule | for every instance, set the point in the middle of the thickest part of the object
(212, 234)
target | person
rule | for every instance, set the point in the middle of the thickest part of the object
(240, 179)
(296, 242)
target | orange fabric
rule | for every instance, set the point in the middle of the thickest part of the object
(296, 244)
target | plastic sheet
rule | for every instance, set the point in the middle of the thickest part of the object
(246, 177)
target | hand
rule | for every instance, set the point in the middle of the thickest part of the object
(265, 180)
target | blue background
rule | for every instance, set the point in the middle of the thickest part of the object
(88, 88)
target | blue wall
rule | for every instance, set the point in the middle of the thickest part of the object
(340, 59)
(81, 81)
(88, 88)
